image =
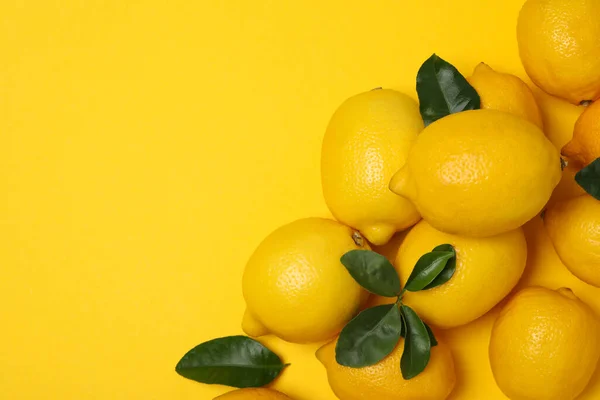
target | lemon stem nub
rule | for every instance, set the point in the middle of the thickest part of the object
(253, 327)
(358, 239)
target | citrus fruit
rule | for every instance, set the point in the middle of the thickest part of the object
(544, 345)
(559, 45)
(559, 117)
(295, 285)
(505, 92)
(585, 146)
(567, 187)
(367, 140)
(479, 173)
(487, 269)
(253, 394)
(384, 379)
(574, 228)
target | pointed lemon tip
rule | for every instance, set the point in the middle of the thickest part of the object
(253, 327)
(482, 67)
(567, 292)
(569, 149)
(572, 151)
(403, 185)
(379, 234)
(322, 352)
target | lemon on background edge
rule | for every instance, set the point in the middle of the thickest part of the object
(545, 345)
(487, 269)
(253, 394)
(384, 379)
(573, 226)
(559, 117)
(559, 46)
(505, 92)
(295, 285)
(584, 147)
(479, 173)
(366, 142)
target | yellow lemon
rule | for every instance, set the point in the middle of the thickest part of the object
(479, 173)
(567, 187)
(585, 146)
(559, 44)
(367, 140)
(487, 269)
(574, 228)
(544, 345)
(253, 394)
(505, 92)
(384, 380)
(295, 285)
(559, 117)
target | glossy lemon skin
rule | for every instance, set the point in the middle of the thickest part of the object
(367, 141)
(487, 269)
(544, 345)
(384, 380)
(573, 226)
(559, 45)
(505, 92)
(295, 285)
(479, 173)
(584, 147)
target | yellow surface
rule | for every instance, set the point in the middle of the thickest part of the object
(147, 147)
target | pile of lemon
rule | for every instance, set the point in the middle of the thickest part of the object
(470, 179)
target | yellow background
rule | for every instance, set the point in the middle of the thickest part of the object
(146, 147)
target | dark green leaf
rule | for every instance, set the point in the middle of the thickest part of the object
(369, 337)
(589, 178)
(373, 272)
(427, 269)
(404, 329)
(443, 90)
(236, 361)
(448, 270)
(432, 338)
(417, 345)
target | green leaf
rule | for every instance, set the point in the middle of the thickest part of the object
(417, 345)
(428, 268)
(236, 361)
(432, 338)
(369, 337)
(589, 178)
(443, 90)
(448, 270)
(404, 329)
(373, 272)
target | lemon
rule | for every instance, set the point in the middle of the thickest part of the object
(567, 187)
(253, 394)
(479, 173)
(295, 285)
(367, 140)
(505, 92)
(384, 380)
(487, 269)
(574, 228)
(559, 117)
(585, 146)
(559, 44)
(544, 345)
